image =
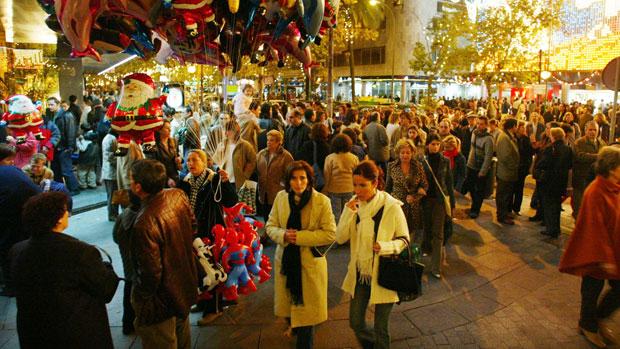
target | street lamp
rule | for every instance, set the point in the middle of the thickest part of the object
(393, 37)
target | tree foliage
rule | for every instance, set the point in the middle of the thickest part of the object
(500, 44)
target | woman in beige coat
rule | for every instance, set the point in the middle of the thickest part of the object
(301, 220)
(357, 224)
(235, 155)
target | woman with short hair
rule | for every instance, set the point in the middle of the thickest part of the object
(551, 174)
(301, 220)
(338, 172)
(61, 284)
(206, 200)
(167, 153)
(593, 250)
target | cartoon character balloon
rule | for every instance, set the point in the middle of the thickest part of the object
(23, 117)
(138, 114)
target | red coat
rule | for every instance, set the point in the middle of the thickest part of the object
(596, 238)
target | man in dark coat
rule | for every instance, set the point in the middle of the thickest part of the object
(296, 134)
(551, 172)
(61, 284)
(62, 164)
(15, 189)
(161, 249)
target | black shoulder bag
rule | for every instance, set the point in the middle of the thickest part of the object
(399, 272)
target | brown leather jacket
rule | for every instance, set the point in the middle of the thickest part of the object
(161, 249)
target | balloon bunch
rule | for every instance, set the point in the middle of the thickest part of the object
(235, 256)
(214, 32)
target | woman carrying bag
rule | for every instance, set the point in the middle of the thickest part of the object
(301, 221)
(439, 201)
(357, 224)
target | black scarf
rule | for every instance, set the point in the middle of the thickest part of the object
(291, 257)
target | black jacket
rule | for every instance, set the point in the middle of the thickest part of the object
(307, 153)
(441, 169)
(551, 171)
(62, 286)
(294, 138)
(66, 124)
(208, 213)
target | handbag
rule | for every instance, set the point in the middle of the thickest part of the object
(120, 197)
(247, 194)
(319, 180)
(446, 199)
(400, 272)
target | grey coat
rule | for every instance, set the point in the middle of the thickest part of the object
(481, 152)
(378, 142)
(507, 152)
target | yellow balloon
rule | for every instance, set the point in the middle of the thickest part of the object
(233, 6)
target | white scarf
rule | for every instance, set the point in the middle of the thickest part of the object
(366, 231)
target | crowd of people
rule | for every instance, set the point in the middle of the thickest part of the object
(316, 179)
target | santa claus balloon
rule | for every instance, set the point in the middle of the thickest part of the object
(23, 117)
(138, 114)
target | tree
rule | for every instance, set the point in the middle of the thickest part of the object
(358, 20)
(507, 38)
(445, 53)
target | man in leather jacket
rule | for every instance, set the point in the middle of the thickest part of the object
(161, 250)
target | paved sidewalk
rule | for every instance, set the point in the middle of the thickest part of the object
(501, 289)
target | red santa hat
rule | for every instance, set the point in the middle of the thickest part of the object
(140, 78)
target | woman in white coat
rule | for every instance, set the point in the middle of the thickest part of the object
(357, 224)
(301, 220)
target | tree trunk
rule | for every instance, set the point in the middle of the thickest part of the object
(352, 69)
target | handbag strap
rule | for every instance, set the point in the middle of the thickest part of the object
(435, 178)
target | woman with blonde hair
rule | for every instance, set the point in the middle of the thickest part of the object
(407, 182)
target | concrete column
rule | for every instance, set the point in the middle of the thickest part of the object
(565, 89)
(403, 91)
(70, 73)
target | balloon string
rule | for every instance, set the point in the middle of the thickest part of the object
(217, 196)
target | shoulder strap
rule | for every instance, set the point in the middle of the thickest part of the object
(435, 178)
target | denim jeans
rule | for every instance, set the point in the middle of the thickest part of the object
(63, 169)
(110, 187)
(338, 201)
(305, 337)
(380, 335)
(477, 186)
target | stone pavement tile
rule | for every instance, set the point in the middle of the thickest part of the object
(472, 305)
(228, 336)
(435, 318)
(399, 344)
(527, 278)
(502, 291)
(425, 342)
(9, 339)
(440, 339)
(499, 260)
(333, 334)
(339, 312)
(401, 327)
(271, 336)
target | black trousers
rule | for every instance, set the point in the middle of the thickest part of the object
(476, 186)
(517, 197)
(128, 313)
(305, 337)
(591, 310)
(504, 197)
(552, 208)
